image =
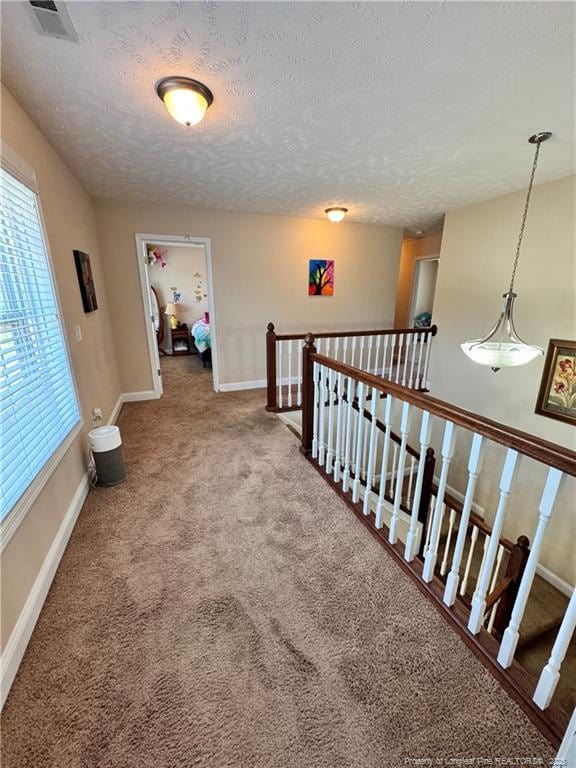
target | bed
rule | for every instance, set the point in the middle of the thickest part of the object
(202, 341)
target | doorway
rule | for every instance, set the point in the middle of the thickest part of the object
(423, 289)
(183, 304)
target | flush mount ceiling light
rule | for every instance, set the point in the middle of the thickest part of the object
(185, 99)
(336, 214)
(502, 347)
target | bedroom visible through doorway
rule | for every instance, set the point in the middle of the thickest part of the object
(177, 299)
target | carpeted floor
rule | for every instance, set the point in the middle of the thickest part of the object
(224, 608)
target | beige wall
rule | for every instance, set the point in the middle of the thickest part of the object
(70, 224)
(260, 275)
(412, 250)
(478, 248)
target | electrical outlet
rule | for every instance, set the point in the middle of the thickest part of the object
(96, 415)
(78, 332)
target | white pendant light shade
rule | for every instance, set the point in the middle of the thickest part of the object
(502, 347)
(185, 99)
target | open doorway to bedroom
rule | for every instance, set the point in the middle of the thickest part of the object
(178, 306)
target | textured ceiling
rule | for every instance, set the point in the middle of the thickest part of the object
(400, 111)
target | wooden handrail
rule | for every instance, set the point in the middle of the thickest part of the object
(432, 331)
(530, 445)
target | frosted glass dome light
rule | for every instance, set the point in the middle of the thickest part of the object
(185, 99)
(336, 214)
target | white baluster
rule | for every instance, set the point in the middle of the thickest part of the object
(336, 348)
(384, 466)
(319, 343)
(392, 354)
(466, 576)
(362, 346)
(429, 523)
(451, 521)
(425, 382)
(328, 343)
(339, 417)
(411, 539)
(479, 600)
(418, 380)
(432, 549)
(371, 453)
(317, 395)
(383, 373)
(290, 373)
(551, 672)
(368, 364)
(353, 352)
(299, 394)
(475, 460)
(511, 634)
(344, 349)
(280, 348)
(358, 462)
(348, 441)
(410, 482)
(377, 355)
(393, 469)
(493, 586)
(407, 339)
(399, 358)
(415, 338)
(330, 440)
(321, 419)
(404, 431)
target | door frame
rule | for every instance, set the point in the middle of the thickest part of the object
(167, 240)
(414, 291)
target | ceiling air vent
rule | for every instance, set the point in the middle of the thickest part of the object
(51, 18)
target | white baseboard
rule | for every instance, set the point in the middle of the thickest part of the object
(132, 397)
(556, 581)
(20, 636)
(116, 410)
(235, 386)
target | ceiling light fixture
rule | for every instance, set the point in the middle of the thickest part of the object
(336, 214)
(185, 99)
(502, 347)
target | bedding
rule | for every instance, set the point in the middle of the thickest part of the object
(201, 335)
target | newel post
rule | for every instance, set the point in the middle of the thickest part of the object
(426, 496)
(308, 394)
(271, 368)
(514, 571)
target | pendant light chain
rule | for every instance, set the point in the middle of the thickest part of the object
(522, 225)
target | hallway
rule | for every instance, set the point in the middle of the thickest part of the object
(223, 608)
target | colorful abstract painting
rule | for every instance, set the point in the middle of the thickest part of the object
(321, 278)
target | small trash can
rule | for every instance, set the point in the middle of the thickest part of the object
(106, 445)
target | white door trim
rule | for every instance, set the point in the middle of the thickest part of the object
(415, 277)
(141, 240)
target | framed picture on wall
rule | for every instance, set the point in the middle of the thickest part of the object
(86, 281)
(557, 395)
(321, 277)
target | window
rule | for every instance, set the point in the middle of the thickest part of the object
(38, 405)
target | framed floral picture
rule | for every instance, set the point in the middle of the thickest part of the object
(557, 396)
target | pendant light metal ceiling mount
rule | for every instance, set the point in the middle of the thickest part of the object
(502, 347)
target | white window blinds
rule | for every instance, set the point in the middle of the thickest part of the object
(38, 407)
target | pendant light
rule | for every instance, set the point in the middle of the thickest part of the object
(185, 99)
(502, 347)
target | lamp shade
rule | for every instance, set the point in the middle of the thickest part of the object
(170, 308)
